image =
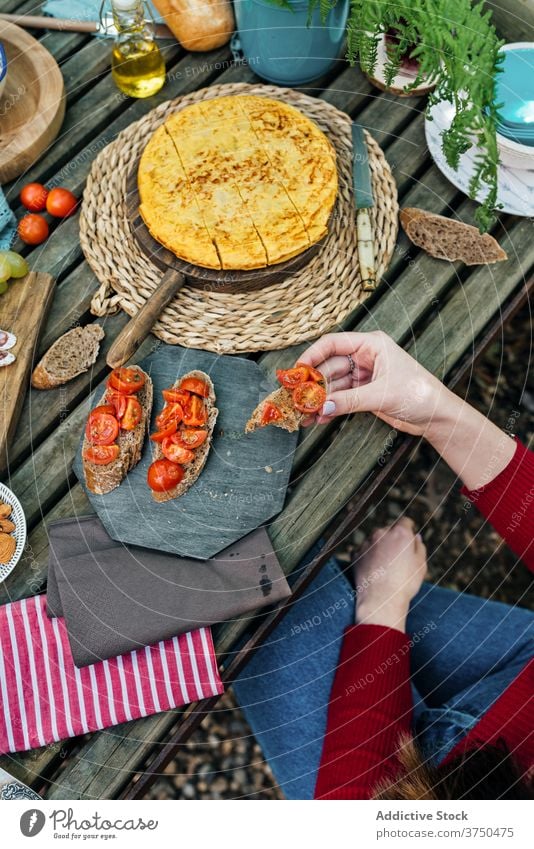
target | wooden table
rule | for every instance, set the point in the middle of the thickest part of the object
(443, 314)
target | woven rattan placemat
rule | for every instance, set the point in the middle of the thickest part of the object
(311, 302)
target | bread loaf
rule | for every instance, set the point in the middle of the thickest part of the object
(198, 24)
(445, 238)
(70, 355)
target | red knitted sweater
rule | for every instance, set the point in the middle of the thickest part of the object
(371, 699)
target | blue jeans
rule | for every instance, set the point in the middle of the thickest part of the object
(466, 651)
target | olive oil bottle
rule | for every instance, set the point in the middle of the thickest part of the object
(137, 66)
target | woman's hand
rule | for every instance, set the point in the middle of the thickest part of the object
(369, 372)
(388, 573)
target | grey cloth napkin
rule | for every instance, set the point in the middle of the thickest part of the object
(116, 598)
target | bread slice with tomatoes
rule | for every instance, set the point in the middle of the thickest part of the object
(175, 450)
(106, 460)
(302, 393)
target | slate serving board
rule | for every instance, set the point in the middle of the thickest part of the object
(242, 485)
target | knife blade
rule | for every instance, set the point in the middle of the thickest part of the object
(363, 201)
(104, 27)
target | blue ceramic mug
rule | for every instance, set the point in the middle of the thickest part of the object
(279, 45)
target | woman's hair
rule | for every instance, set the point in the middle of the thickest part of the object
(488, 772)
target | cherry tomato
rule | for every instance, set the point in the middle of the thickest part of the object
(198, 387)
(176, 396)
(190, 437)
(101, 428)
(132, 414)
(175, 453)
(309, 397)
(271, 413)
(118, 401)
(160, 435)
(171, 414)
(313, 373)
(60, 203)
(291, 377)
(195, 412)
(101, 455)
(33, 229)
(104, 408)
(164, 475)
(33, 196)
(126, 380)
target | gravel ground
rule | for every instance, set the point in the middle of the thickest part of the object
(222, 760)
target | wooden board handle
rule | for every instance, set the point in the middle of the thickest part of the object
(138, 328)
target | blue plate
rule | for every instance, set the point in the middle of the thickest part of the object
(515, 89)
(3, 62)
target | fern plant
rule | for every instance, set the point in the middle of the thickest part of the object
(458, 49)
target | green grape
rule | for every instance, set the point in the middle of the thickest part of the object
(5, 269)
(3, 287)
(19, 266)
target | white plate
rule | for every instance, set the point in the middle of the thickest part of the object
(18, 517)
(515, 186)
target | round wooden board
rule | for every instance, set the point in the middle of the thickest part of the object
(32, 104)
(197, 276)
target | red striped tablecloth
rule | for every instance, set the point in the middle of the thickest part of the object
(44, 698)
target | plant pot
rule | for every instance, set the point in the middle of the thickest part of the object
(279, 45)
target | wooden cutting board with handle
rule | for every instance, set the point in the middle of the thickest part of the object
(22, 311)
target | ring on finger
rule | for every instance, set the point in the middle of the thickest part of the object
(352, 364)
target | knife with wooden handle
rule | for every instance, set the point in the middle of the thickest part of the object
(104, 27)
(363, 201)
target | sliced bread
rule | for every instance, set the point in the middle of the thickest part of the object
(193, 469)
(70, 355)
(283, 399)
(102, 479)
(445, 238)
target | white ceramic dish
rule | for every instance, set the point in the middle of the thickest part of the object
(18, 517)
(3, 68)
(515, 185)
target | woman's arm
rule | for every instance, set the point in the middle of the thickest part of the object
(371, 699)
(369, 372)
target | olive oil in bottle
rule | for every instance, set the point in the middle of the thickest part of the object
(137, 66)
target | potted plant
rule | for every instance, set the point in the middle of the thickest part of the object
(454, 44)
(291, 42)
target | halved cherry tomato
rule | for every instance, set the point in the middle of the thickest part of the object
(160, 435)
(164, 475)
(118, 401)
(101, 428)
(271, 413)
(195, 412)
(132, 414)
(126, 380)
(198, 387)
(104, 408)
(291, 377)
(172, 413)
(190, 437)
(101, 455)
(313, 373)
(175, 453)
(309, 397)
(176, 396)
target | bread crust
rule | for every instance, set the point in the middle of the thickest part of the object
(103, 479)
(44, 378)
(192, 470)
(482, 243)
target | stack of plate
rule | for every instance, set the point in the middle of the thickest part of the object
(515, 94)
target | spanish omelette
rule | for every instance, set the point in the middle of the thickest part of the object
(237, 182)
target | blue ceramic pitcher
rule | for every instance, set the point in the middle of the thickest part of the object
(279, 45)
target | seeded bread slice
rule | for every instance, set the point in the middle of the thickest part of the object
(70, 355)
(193, 469)
(102, 479)
(283, 399)
(445, 238)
